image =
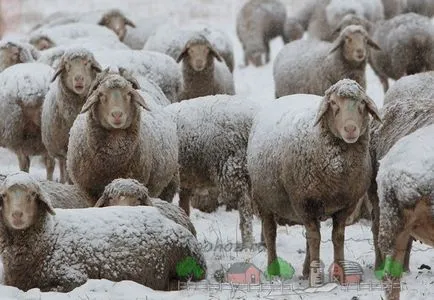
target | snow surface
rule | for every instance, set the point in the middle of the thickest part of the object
(257, 84)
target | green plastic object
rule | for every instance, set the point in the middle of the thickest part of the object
(188, 268)
(281, 268)
(390, 267)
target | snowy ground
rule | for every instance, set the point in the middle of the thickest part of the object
(222, 226)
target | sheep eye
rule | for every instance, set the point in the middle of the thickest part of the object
(337, 111)
(333, 102)
(2, 196)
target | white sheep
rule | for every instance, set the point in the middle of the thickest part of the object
(64, 100)
(406, 191)
(63, 248)
(308, 160)
(137, 37)
(203, 70)
(24, 87)
(15, 52)
(422, 7)
(311, 67)
(124, 139)
(407, 47)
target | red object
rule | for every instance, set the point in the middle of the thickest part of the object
(243, 273)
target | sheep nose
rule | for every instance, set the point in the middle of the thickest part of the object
(117, 114)
(360, 52)
(17, 214)
(350, 128)
(78, 78)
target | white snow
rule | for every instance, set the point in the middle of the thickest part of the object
(257, 84)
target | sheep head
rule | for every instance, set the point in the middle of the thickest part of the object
(114, 98)
(354, 41)
(124, 192)
(42, 42)
(116, 21)
(199, 53)
(78, 69)
(21, 201)
(345, 108)
(12, 53)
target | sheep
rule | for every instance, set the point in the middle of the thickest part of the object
(306, 168)
(258, 22)
(64, 100)
(115, 20)
(393, 8)
(130, 192)
(328, 14)
(61, 195)
(292, 30)
(137, 37)
(123, 140)
(408, 106)
(13, 52)
(63, 248)
(203, 75)
(406, 191)
(24, 87)
(311, 67)
(213, 133)
(41, 42)
(171, 39)
(422, 7)
(407, 43)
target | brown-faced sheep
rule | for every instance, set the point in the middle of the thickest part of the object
(12, 53)
(115, 20)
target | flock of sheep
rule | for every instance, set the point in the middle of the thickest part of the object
(134, 115)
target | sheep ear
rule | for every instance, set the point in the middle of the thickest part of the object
(182, 54)
(60, 69)
(139, 99)
(103, 21)
(90, 102)
(101, 201)
(339, 42)
(43, 199)
(128, 76)
(95, 65)
(373, 44)
(324, 106)
(372, 108)
(129, 22)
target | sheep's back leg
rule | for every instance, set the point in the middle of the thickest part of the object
(184, 199)
(313, 236)
(246, 215)
(50, 163)
(63, 173)
(306, 264)
(338, 235)
(23, 161)
(269, 228)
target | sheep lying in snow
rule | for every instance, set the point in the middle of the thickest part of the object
(130, 192)
(406, 191)
(311, 67)
(24, 87)
(63, 248)
(12, 53)
(213, 133)
(308, 160)
(203, 75)
(64, 100)
(407, 47)
(258, 22)
(124, 139)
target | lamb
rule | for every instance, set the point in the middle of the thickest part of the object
(203, 75)
(130, 192)
(258, 22)
(406, 190)
(213, 133)
(306, 168)
(407, 43)
(311, 67)
(63, 248)
(171, 39)
(328, 14)
(64, 100)
(24, 87)
(61, 195)
(13, 52)
(124, 140)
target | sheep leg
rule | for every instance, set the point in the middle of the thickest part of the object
(184, 200)
(313, 236)
(267, 53)
(50, 163)
(407, 255)
(171, 189)
(23, 161)
(269, 228)
(375, 226)
(63, 172)
(306, 264)
(338, 235)
(246, 216)
(385, 83)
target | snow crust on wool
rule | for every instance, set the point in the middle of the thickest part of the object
(19, 178)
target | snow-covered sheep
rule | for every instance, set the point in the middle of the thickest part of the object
(203, 70)
(130, 192)
(258, 22)
(64, 100)
(213, 133)
(124, 139)
(308, 160)
(171, 39)
(115, 20)
(406, 191)
(407, 47)
(422, 7)
(63, 248)
(22, 93)
(13, 52)
(328, 14)
(311, 66)
(41, 42)
(61, 195)
(137, 37)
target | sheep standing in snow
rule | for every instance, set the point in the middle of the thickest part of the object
(406, 191)
(203, 71)
(124, 139)
(64, 100)
(24, 87)
(12, 53)
(130, 192)
(63, 248)
(308, 160)
(407, 47)
(311, 67)
(258, 22)
(213, 133)
(115, 20)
